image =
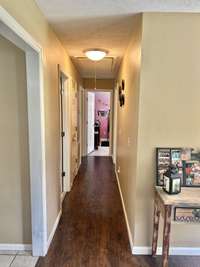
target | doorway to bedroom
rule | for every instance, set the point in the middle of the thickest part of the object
(99, 123)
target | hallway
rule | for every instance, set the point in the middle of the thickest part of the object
(102, 151)
(89, 92)
(92, 230)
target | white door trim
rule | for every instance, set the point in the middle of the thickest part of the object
(15, 33)
(115, 125)
(90, 121)
(66, 128)
(80, 114)
(84, 116)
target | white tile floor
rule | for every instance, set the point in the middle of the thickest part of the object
(17, 259)
(6, 260)
(101, 151)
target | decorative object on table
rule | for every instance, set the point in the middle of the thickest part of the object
(187, 160)
(172, 180)
(187, 214)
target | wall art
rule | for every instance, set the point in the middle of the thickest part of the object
(187, 160)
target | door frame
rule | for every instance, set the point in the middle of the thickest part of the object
(74, 131)
(80, 121)
(14, 32)
(87, 124)
(65, 165)
(115, 122)
(84, 119)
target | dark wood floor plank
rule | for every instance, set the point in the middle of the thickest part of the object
(92, 230)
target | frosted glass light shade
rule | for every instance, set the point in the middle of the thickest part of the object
(95, 54)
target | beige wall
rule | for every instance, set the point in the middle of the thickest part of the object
(128, 121)
(15, 222)
(169, 108)
(29, 16)
(89, 83)
(161, 109)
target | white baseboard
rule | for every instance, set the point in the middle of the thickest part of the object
(16, 247)
(53, 230)
(182, 251)
(62, 196)
(113, 159)
(125, 214)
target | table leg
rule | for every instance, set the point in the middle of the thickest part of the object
(156, 220)
(166, 234)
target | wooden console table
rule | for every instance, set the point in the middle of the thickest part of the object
(163, 204)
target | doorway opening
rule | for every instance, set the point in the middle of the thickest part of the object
(13, 32)
(99, 123)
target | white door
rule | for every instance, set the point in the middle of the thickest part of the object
(90, 122)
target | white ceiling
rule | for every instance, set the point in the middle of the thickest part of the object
(105, 68)
(107, 24)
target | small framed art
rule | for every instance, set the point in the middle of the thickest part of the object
(187, 160)
(165, 157)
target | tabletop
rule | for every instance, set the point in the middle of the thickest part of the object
(189, 196)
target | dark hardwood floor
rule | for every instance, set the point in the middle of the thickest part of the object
(92, 230)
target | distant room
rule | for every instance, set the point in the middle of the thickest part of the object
(99, 110)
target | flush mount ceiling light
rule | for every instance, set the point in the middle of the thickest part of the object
(95, 54)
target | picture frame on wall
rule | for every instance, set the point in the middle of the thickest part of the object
(192, 173)
(164, 158)
(162, 164)
(121, 94)
(187, 160)
(120, 91)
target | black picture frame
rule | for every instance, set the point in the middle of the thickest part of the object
(169, 151)
(123, 85)
(122, 100)
(120, 91)
(159, 179)
(162, 164)
(121, 95)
